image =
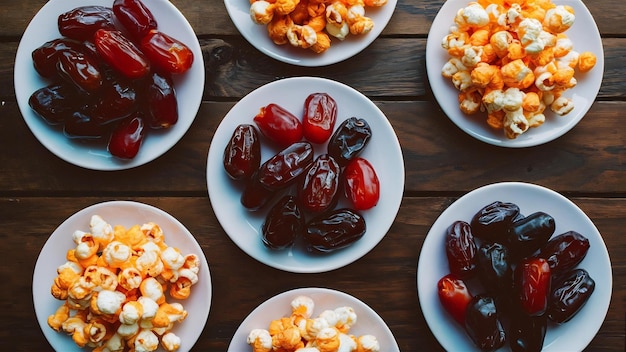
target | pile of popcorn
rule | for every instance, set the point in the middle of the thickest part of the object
(115, 284)
(300, 332)
(308, 24)
(512, 59)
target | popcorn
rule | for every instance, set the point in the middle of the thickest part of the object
(497, 46)
(301, 332)
(114, 285)
(311, 24)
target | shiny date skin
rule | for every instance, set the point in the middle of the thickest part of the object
(120, 53)
(361, 184)
(495, 270)
(526, 236)
(242, 155)
(81, 70)
(255, 196)
(286, 166)
(117, 100)
(278, 125)
(166, 53)
(160, 103)
(532, 282)
(563, 252)
(492, 221)
(349, 140)
(454, 296)
(482, 323)
(320, 115)
(320, 185)
(46, 56)
(526, 333)
(82, 22)
(283, 224)
(83, 126)
(334, 230)
(55, 103)
(127, 137)
(569, 295)
(135, 17)
(461, 249)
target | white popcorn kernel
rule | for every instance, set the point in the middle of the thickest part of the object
(170, 341)
(100, 229)
(512, 99)
(302, 306)
(260, 339)
(369, 343)
(472, 16)
(261, 12)
(116, 253)
(150, 307)
(562, 106)
(131, 312)
(515, 123)
(346, 343)
(172, 259)
(451, 67)
(127, 330)
(109, 302)
(310, 328)
(146, 341)
(346, 316)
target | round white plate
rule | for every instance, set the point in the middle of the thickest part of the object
(124, 213)
(585, 36)
(189, 88)
(383, 152)
(573, 335)
(239, 12)
(368, 321)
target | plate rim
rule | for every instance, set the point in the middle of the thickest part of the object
(41, 317)
(101, 160)
(423, 294)
(311, 60)
(215, 152)
(453, 113)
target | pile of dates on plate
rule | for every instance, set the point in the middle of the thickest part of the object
(510, 278)
(109, 75)
(295, 184)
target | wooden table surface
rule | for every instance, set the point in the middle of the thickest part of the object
(38, 191)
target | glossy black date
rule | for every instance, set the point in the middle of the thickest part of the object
(483, 325)
(493, 220)
(335, 230)
(242, 155)
(569, 295)
(349, 140)
(283, 224)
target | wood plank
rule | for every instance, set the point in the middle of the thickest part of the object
(386, 283)
(403, 76)
(211, 18)
(438, 157)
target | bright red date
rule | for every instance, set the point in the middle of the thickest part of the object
(119, 52)
(135, 17)
(279, 125)
(167, 53)
(320, 114)
(361, 183)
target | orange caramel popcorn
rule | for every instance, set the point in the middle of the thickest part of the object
(310, 24)
(513, 60)
(115, 285)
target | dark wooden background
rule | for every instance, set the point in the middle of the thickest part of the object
(588, 165)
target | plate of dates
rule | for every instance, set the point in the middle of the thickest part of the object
(514, 266)
(109, 84)
(305, 174)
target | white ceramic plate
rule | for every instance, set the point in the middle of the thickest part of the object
(239, 12)
(124, 213)
(585, 36)
(368, 321)
(189, 88)
(383, 152)
(573, 335)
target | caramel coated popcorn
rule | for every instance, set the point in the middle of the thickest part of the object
(301, 332)
(513, 60)
(310, 24)
(115, 286)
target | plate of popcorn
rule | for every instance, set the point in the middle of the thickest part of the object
(324, 318)
(511, 76)
(99, 121)
(307, 34)
(545, 249)
(118, 270)
(243, 209)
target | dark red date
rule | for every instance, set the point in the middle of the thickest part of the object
(569, 295)
(283, 224)
(55, 103)
(533, 279)
(135, 17)
(80, 70)
(349, 140)
(82, 22)
(483, 325)
(454, 296)
(565, 251)
(461, 249)
(335, 230)
(120, 53)
(242, 155)
(127, 137)
(285, 167)
(319, 187)
(116, 100)
(255, 195)
(320, 114)
(493, 220)
(160, 102)
(83, 126)
(46, 57)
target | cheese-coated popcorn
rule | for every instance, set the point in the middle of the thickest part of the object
(586, 61)
(146, 341)
(261, 12)
(301, 36)
(357, 21)
(260, 340)
(327, 340)
(559, 19)
(367, 343)
(56, 320)
(472, 16)
(170, 341)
